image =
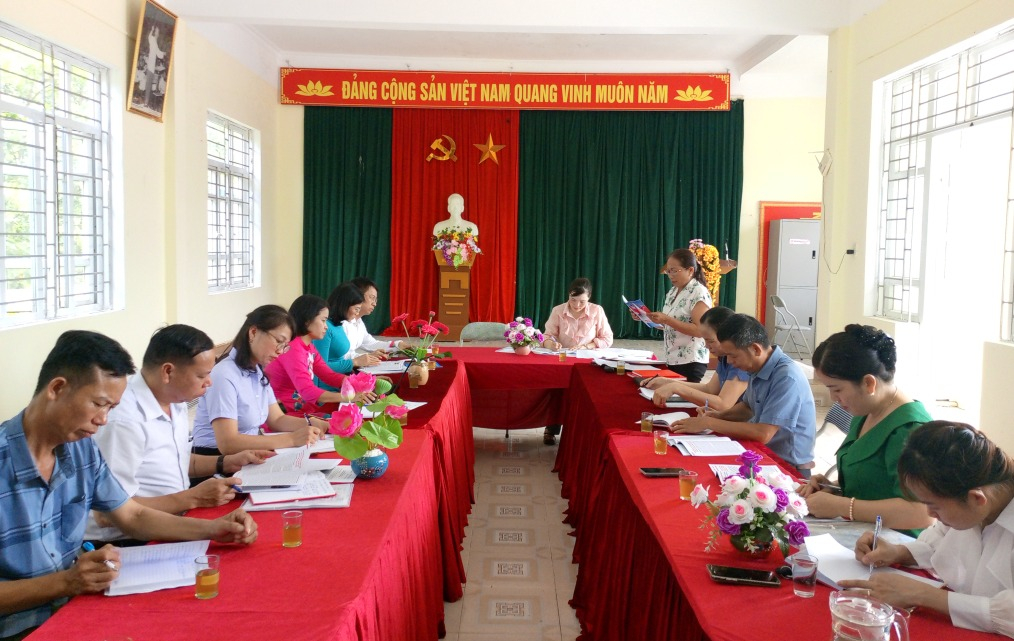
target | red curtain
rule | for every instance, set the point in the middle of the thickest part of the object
(419, 191)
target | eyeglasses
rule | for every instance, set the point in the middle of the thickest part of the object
(672, 270)
(281, 346)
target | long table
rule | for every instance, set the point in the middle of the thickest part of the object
(515, 392)
(642, 568)
(371, 571)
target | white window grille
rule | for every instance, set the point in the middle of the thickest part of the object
(974, 85)
(232, 199)
(56, 251)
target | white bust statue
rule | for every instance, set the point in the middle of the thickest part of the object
(455, 206)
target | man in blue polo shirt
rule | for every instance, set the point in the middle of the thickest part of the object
(51, 475)
(777, 408)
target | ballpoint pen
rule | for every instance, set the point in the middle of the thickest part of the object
(88, 547)
(876, 535)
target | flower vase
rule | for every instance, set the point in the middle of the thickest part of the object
(418, 374)
(371, 465)
(762, 549)
(522, 350)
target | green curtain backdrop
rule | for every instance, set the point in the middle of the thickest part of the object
(608, 195)
(347, 201)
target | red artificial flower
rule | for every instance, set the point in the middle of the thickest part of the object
(444, 329)
(399, 318)
(428, 330)
(416, 323)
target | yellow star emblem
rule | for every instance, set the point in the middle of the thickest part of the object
(488, 150)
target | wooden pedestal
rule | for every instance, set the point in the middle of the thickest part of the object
(454, 292)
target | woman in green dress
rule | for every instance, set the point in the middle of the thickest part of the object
(857, 366)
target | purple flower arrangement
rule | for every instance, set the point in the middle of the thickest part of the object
(757, 509)
(520, 332)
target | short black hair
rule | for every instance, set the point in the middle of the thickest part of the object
(176, 344)
(342, 297)
(364, 284)
(743, 331)
(579, 286)
(78, 353)
(303, 310)
(715, 316)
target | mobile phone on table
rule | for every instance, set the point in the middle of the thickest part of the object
(655, 472)
(743, 576)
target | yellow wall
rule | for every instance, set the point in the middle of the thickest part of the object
(899, 34)
(162, 181)
(779, 138)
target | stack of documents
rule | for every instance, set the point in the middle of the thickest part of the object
(386, 367)
(705, 445)
(291, 477)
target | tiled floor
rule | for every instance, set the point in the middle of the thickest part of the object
(517, 551)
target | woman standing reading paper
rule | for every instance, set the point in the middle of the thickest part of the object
(857, 366)
(967, 483)
(240, 399)
(686, 302)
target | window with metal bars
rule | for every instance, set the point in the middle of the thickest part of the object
(974, 85)
(232, 200)
(55, 239)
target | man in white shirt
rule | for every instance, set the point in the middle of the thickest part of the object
(359, 338)
(146, 441)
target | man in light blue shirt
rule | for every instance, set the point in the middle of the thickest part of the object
(52, 474)
(777, 409)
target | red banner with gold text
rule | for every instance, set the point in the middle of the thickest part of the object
(456, 90)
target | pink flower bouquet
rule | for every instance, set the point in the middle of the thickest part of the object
(755, 510)
(354, 436)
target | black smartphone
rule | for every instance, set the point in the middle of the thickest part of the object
(654, 472)
(743, 576)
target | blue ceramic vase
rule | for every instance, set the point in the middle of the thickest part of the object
(371, 465)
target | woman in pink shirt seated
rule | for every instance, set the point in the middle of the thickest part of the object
(291, 374)
(577, 324)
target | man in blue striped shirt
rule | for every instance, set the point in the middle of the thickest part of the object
(52, 474)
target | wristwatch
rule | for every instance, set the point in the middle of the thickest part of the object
(220, 465)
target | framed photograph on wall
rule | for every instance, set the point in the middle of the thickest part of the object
(153, 54)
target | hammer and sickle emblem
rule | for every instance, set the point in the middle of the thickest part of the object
(438, 145)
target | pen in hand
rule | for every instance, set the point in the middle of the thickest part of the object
(876, 535)
(88, 547)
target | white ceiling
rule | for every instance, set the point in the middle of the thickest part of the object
(770, 47)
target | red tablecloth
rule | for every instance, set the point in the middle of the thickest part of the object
(448, 416)
(598, 403)
(643, 575)
(515, 392)
(371, 571)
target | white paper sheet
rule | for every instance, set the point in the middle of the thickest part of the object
(386, 367)
(341, 474)
(836, 563)
(724, 471)
(148, 568)
(315, 486)
(285, 468)
(706, 445)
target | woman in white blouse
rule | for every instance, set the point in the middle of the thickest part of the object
(685, 303)
(967, 483)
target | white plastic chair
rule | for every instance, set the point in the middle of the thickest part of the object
(482, 331)
(841, 420)
(785, 321)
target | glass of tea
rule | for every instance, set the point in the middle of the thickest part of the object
(292, 529)
(206, 576)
